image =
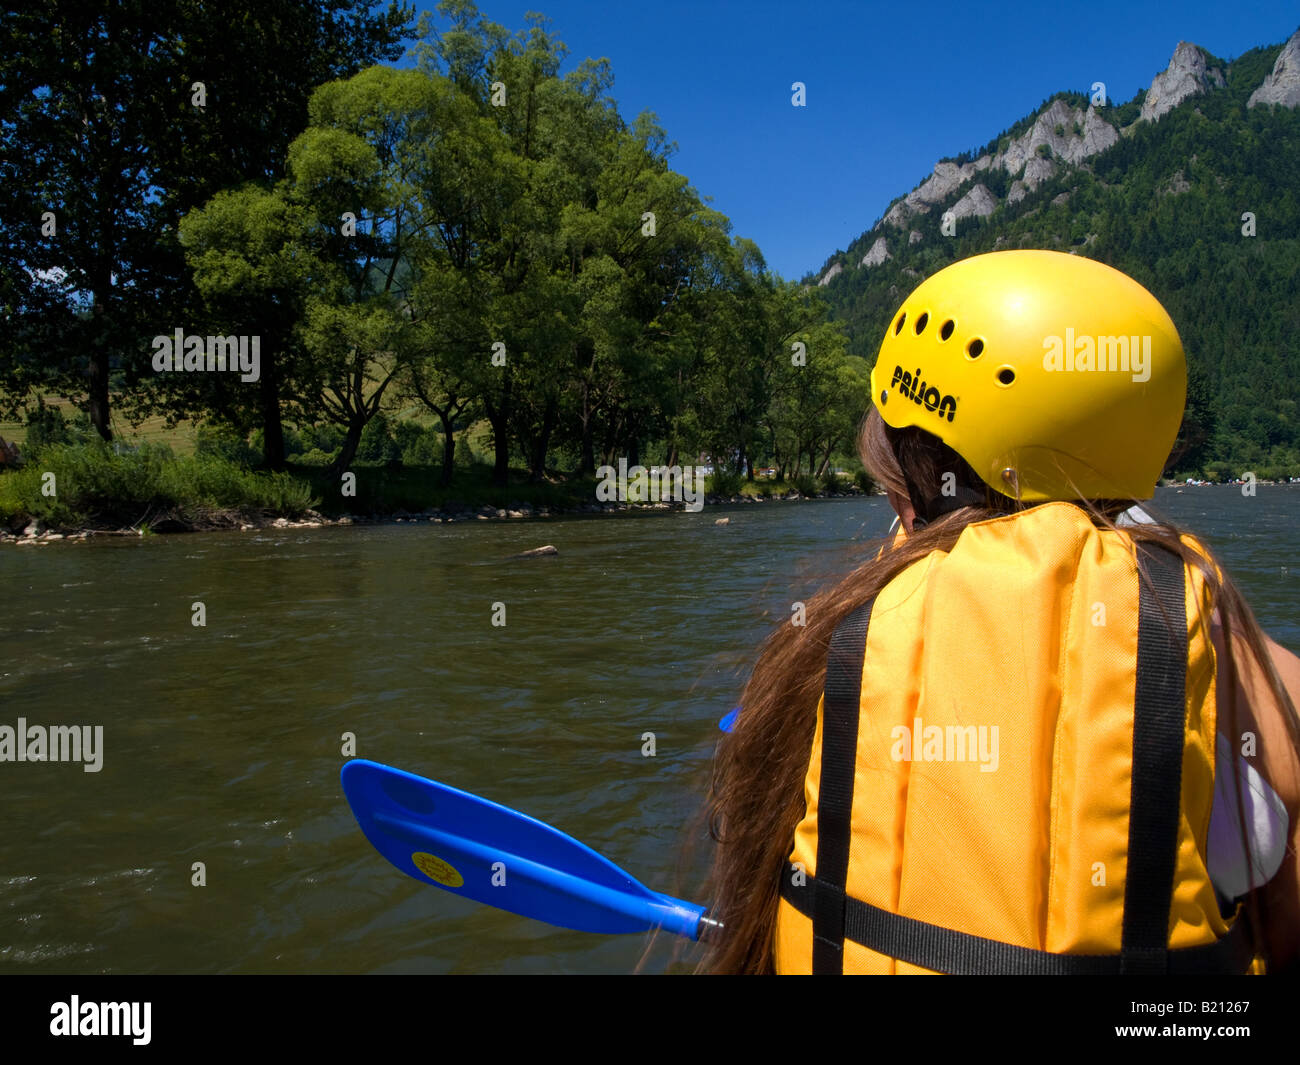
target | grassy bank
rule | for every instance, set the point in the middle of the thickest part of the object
(89, 486)
(74, 487)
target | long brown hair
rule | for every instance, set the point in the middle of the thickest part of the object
(757, 796)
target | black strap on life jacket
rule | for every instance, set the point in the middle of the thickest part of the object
(1159, 720)
(1154, 816)
(842, 698)
(944, 950)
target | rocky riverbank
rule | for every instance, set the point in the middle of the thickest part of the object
(36, 533)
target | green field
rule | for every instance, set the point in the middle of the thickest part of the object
(181, 438)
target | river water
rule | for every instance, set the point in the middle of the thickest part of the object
(222, 742)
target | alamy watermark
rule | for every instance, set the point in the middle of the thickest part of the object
(1121, 354)
(678, 484)
(193, 353)
(57, 743)
(102, 1018)
(950, 743)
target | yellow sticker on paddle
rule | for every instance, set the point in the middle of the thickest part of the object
(437, 870)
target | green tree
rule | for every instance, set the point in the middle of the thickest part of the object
(116, 117)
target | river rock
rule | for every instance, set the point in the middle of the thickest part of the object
(538, 552)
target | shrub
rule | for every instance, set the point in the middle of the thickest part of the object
(724, 482)
(419, 445)
(806, 484)
(863, 480)
(377, 444)
(99, 487)
(46, 426)
(221, 441)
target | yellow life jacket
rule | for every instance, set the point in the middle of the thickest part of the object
(1013, 767)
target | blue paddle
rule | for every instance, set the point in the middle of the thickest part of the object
(498, 856)
(729, 719)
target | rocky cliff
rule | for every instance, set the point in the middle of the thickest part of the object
(1062, 135)
(1282, 86)
(1187, 75)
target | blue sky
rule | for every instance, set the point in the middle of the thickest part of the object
(891, 88)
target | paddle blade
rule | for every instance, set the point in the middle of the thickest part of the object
(728, 721)
(487, 852)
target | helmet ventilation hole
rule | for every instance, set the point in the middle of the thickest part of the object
(898, 326)
(945, 330)
(975, 348)
(1006, 375)
(920, 322)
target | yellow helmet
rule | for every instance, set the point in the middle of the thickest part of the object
(1054, 376)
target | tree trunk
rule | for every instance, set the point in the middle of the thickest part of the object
(272, 426)
(499, 419)
(448, 449)
(501, 467)
(351, 441)
(98, 387)
(587, 455)
(537, 465)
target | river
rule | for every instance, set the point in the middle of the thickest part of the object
(222, 741)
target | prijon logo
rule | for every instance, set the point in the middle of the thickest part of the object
(1098, 353)
(918, 391)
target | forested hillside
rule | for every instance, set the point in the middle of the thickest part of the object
(1201, 205)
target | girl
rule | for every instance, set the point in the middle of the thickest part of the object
(1020, 738)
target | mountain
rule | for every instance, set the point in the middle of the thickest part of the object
(1192, 187)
